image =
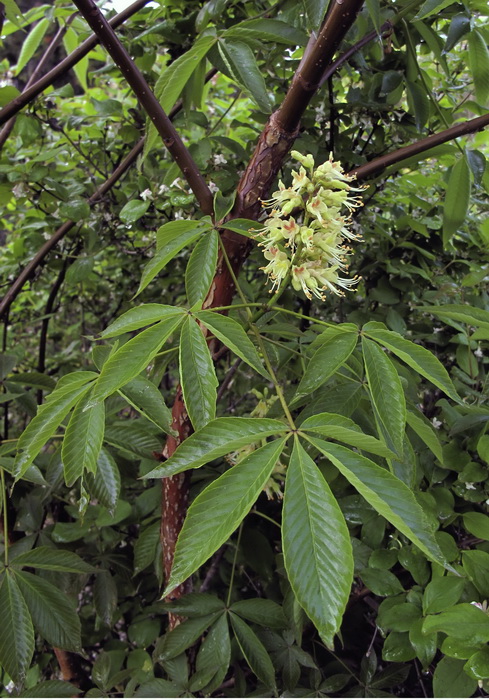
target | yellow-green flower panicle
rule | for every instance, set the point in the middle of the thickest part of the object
(304, 236)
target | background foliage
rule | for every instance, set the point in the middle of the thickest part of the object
(402, 508)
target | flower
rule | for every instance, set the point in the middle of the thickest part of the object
(310, 245)
(146, 194)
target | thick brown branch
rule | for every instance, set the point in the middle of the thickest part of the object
(145, 95)
(305, 83)
(30, 94)
(378, 164)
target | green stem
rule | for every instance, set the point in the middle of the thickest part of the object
(265, 517)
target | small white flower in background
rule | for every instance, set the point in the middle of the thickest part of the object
(437, 330)
(46, 236)
(470, 486)
(481, 606)
(213, 187)
(179, 215)
(478, 353)
(177, 182)
(10, 686)
(219, 159)
(312, 248)
(146, 194)
(163, 189)
(436, 423)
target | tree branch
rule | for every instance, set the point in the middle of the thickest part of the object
(5, 132)
(378, 164)
(30, 94)
(145, 95)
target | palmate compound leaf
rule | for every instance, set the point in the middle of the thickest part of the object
(387, 394)
(316, 543)
(254, 652)
(216, 439)
(390, 497)
(340, 428)
(231, 496)
(197, 375)
(17, 637)
(130, 359)
(51, 559)
(201, 267)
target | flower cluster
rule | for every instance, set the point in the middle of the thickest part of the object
(312, 246)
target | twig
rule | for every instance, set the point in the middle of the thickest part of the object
(378, 164)
(145, 95)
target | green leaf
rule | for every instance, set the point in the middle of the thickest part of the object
(82, 441)
(419, 103)
(184, 635)
(129, 360)
(441, 593)
(215, 653)
(51, 559)
(476, 565)
(31, 44)
(13, 12)
(201, 267)
(477, 524)
(478, 665)
(425, 645)
(243, 68)
(145, 547)
(146, 398)
(316, 544)
(431, 7)
(233, 336)
(133, 440)
(194, 605)
(373, 7)
(263, 612)
(381, 582)
(51, 689)
(44, 424)
(106, 484)
(387, 394)
(479, 65)
(17, 638)
(344, 429)
(335, 348)
(53, 613)
(141, 316)
(315, 11)
(254, 652)
(459, 26)
(246, 227)
(216, 439)
(71, 42)
(170, 241)
(417, 357)
(423, 429)
(105, 596)
(197, 375)
(464, 313)
(171, 82)
(231, 495)
(457, 198)
(76, 209)
(266, 30)
(133, 210)
(390, 497)
(451, 681)
(463, 621)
